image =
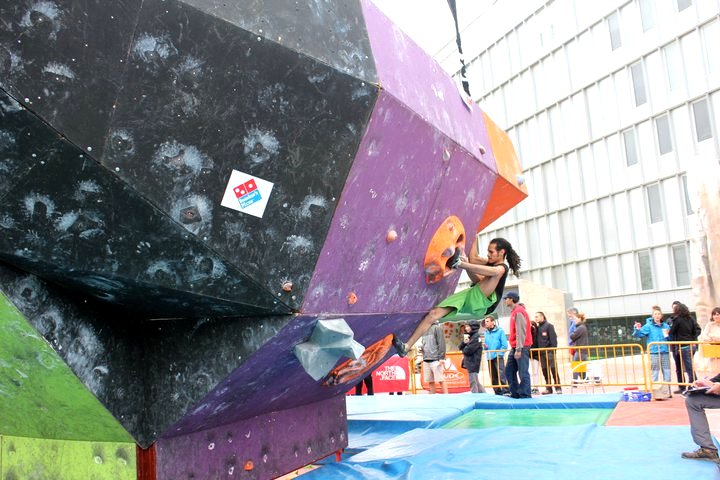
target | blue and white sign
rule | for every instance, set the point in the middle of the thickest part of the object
(247, 194)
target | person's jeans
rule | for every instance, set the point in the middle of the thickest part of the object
(683, 364)
(658, 361)
(519, 369)
(497, 374)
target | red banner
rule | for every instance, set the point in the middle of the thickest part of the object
(456, 377)
(392, 376)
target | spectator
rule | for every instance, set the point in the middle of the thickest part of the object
(517, 369)
(684, 329)
(710, 333)
(534, 357)
(472, 348)
(656, 330)
(433, 356)
(495, 346)
(547, 338)
(699, 428)
(368, 381)
(572, 315)
(579, 339)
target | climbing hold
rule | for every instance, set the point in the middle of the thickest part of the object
(449, 236)
(446, 154)
(330, 340)
(351, 298)
(249, 465)
(391, 236)
(287, 286)
(482, 149)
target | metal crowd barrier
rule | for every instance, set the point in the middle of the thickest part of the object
(590, 367)
(594, 367)
(685, 361)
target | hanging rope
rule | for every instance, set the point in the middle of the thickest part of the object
(463, 77)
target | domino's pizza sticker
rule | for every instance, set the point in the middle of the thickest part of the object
(247, 194)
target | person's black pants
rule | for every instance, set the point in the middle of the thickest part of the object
(368, 385)
(549, 368)
(497, 374)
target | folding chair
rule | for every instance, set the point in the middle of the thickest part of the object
(594, 373)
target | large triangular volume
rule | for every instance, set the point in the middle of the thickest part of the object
(508, 190)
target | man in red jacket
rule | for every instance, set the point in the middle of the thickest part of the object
(520, 339)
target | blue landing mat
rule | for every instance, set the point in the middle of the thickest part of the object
(581, 400)
(375, 419)
(539, 453)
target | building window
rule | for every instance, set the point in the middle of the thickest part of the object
(662, 125)
(681, 265)
(654, 203)
(631, 157)
(613, 23)
(703, 130)
(567, 231)
(674, 66)
(686, 195)
(711, 37)
(647, 16)
(638, 80)
(599, 277)
(683, 4)
(558, 278)
(645, 268)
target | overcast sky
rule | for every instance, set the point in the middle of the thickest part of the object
(430, 22)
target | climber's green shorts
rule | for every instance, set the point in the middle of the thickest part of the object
(470, 301)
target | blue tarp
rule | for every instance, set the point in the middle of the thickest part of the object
(540, 453)
(582, 400)
(375, 419)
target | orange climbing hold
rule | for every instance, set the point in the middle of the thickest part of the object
(449, 236)
(352, 298)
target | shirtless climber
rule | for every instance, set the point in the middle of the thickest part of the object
(488, 276)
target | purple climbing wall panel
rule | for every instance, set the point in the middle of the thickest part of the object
(406, 177)
(257, 447)
(272, 379)
(416, 80)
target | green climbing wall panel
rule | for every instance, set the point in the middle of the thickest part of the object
(40, 396)
(33, 458)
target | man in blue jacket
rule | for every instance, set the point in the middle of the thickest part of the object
(495, 346)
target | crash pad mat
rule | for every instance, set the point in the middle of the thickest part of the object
(542, 453)
(531, 418)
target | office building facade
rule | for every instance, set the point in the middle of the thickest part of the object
(614, 109)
